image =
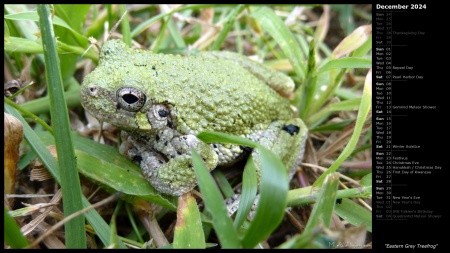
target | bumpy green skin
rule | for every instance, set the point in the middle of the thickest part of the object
(162, 101)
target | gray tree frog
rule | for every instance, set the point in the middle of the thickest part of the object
(161, 102)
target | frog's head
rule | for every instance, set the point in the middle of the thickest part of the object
(118, 92)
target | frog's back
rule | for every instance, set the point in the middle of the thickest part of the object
(218, 95)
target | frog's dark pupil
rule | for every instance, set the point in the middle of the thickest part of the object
(163, 113)
(130, 98)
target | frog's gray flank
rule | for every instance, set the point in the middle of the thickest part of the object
(161, 102)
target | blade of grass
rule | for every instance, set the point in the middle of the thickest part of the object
(33, 16)
(346, 105)
(21, 45)
(305, 93)
(273, 199)
(320, 216)
(223, 183)
(70, 182)
(175, 35)
(249, 189)
(215, 205)
(11, 231)
(144, 25)
(278, 30)
(353, 41)
(188, 230)
(273, 188)
(364, 108)
(324, 207)
(307, 196)
(125, 25)
(354, 213)
(332, 126)
(162, 32)
(229, 23)
(347, 62)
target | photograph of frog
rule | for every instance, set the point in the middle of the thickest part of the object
(190, 126)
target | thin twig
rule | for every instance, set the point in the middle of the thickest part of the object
(72, 216)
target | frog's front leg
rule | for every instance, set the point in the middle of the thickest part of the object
(168, 167)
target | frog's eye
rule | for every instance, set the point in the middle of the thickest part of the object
(130, 99)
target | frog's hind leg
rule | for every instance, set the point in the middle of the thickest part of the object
(278, 81)
(284, 138)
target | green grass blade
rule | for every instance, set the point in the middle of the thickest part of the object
(5, 32)
(272, 201)
(273, 188)
(144, 25)
(249, 189)
(353, 41)
(332, 126)
(324, 207)
(354, 213)
(229, 23)
(11, 232)
(320, 216)
(101, 228)
(347, 62)
(347, 105)
(41, 105)
(223, 183)
(364, 108)
(278, 30)
(175, 35)
(346, 93)
(33, 16)
(70, 182)
(74, 17)
(215, 205)
(21, 45)
(125, 25)
(307, 196)
(210, 137)
(366, 180)
(188, 230)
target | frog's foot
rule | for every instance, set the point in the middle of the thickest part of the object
(233, 204)
(169, 170)
(174, 177)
